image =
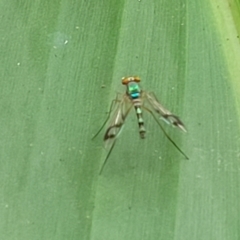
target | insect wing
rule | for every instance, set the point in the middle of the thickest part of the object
(116, 122)
(165, 114)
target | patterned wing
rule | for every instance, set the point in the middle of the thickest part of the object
(115, 125)
(116, 122)
(165, 114)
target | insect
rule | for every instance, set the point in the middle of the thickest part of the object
(139, 100)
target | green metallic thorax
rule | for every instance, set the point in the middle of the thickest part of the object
(133, 90)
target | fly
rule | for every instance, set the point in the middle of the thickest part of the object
(140, 100)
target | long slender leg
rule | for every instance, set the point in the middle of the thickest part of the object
(105, 161)
(168, 137)
(109, 114)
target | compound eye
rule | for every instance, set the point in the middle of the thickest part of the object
(125, 80)
(137, 79)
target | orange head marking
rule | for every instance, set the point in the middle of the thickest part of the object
(126, 80)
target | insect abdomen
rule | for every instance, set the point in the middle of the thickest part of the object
(142, 129)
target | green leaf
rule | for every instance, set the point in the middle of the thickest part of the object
(62, 64)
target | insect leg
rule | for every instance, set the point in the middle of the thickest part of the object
(105, 161)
